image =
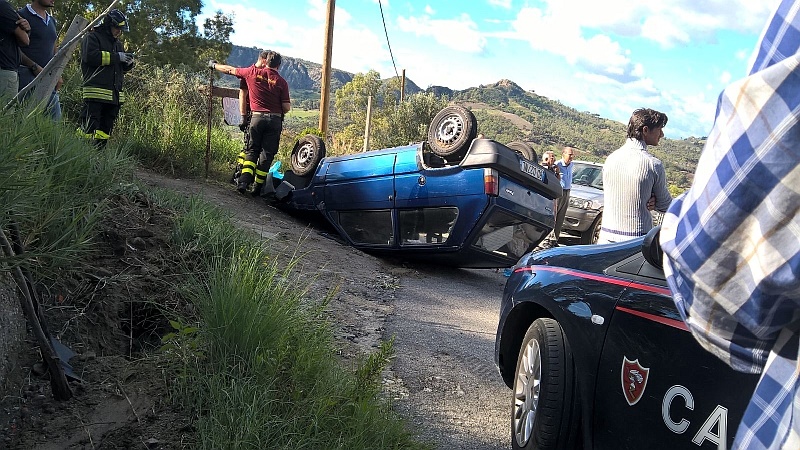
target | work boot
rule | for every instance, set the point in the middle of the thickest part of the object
(257, 189)
(242, 188)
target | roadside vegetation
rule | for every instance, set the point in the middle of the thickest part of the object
(253, 361)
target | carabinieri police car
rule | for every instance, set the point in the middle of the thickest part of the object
(597, 356)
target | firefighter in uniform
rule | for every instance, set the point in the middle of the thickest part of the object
(103, 64)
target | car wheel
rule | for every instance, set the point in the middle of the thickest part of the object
(451, 131)
(306, 154)
(523, 149)
(544, 410)
(591, 235)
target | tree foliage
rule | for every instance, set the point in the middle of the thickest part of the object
(392, 123)
(162, 32)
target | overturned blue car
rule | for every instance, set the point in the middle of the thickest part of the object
(454, 199)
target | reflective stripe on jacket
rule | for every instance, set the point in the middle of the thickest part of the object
(102, 70)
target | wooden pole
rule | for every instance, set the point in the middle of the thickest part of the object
(324, 100)
(210, 112)
(369, 123)
(45, 82)
(403, 86)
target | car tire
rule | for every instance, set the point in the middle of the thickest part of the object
(451, 131)
(308, 151)
(523, 149)
(544, 408)
(591, 235)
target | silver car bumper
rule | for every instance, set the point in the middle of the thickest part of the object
(579, 220)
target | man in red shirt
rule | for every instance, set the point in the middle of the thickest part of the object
(269, 101)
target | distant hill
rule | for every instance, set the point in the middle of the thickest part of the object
(505, 112)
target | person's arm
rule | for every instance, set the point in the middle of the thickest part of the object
(36, 69)
(22, 32)
(660, 189)
(244, 101)
(286, 103)
(230, 70)
(91, 53)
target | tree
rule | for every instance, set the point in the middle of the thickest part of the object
(393, 123)
(162, 32)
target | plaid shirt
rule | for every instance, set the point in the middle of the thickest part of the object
(732, 242)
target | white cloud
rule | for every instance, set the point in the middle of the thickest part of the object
(505, 4)
(460, 34)
(558, 35)
(429, 11)
(725, 78)
(677, 22)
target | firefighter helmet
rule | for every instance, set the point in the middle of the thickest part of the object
(117, 19)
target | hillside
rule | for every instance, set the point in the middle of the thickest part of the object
(505, 112)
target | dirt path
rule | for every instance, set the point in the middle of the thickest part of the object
(443, 377)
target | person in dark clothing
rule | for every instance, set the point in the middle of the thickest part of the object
(269, 100)
(14, 33)
(41, 49)
(103, 65)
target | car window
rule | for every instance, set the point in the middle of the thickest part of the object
(508, 235)
(425, 226)
(367, 227)
(588, 175)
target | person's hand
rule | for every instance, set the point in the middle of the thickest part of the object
(245, 122)
(126, 58)
(212, 63)
(59, 83)
(22, 23)
(651, 202)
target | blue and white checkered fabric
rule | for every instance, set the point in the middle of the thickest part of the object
(732, 241)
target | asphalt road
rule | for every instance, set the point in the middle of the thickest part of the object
(444, 324)
(446, 383)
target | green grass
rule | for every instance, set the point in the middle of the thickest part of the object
(304, 113)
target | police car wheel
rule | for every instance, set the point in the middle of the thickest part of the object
(545, 409)
(308, 151)
(452, 131)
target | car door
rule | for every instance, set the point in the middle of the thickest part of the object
(657, 387)
(436, 206)
(359, 197)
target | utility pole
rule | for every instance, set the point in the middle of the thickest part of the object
(324, 99)
(403, 86)
(368, 125)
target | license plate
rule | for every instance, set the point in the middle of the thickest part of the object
(531, 169)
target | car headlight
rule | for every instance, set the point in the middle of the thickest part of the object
(582, 203)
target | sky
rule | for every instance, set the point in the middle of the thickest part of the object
(607, 57)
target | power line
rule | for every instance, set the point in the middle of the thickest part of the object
(387, 39)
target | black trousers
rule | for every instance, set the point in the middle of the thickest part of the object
(265, 138)
(561, 211)
(97, 119)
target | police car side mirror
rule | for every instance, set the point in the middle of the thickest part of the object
(651, 248)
